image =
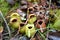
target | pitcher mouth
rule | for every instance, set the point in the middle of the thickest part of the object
(30, 9)
(31, 15)
(21, 25)
(40, 22)
(14, 20)
(15, 14)
(30, 27)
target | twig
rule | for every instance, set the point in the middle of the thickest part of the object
(6, 24)
(1, 36)
(35, 33)
(1, 30)
(42, 35)
(33, 36)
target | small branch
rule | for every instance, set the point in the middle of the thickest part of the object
(0, 36)
(5, 23)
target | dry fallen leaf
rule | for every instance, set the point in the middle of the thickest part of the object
(1, 29)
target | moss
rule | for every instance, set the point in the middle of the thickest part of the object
(5, 7)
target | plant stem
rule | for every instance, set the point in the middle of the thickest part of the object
(6, 24)
(42, 35)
